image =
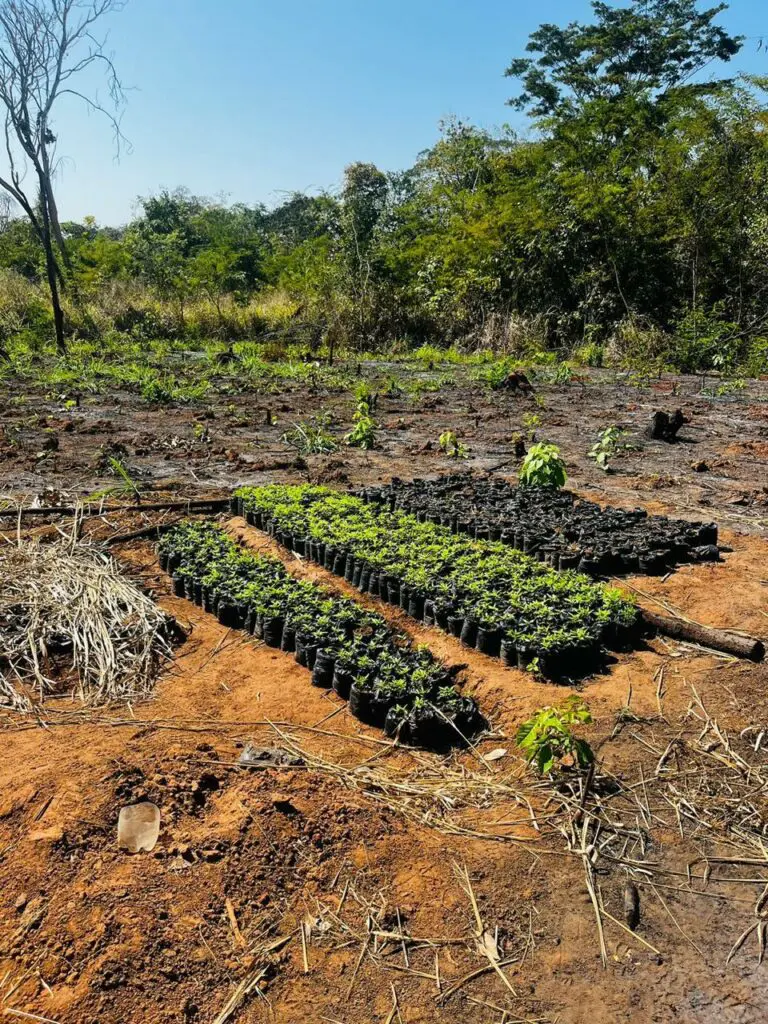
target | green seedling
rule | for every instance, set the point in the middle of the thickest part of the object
(609, 444)
(363, 432)
(547, 739)
(531, 422)
(543, 466)
(452, 446)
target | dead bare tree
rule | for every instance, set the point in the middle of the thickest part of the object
(47, 48)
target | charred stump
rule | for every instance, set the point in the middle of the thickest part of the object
(664, 426)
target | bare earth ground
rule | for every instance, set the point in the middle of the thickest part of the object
(358, 842)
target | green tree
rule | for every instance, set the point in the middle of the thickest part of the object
(619, 103)
(648, 49)
(163, 261)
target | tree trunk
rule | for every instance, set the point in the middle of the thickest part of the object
(52, 270)
(45, 177)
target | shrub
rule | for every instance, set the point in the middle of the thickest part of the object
(705, 341)
(756, 360)
(591, 354)
(638, 342)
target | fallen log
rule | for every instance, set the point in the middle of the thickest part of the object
(718, 639)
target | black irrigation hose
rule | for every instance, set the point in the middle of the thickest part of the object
(213, 504)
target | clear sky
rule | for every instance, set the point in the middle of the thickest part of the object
(250, 99)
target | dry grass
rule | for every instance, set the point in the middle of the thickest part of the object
(71, 621)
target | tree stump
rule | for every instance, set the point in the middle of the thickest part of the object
(664, 426)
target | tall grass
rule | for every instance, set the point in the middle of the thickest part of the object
(122, 322)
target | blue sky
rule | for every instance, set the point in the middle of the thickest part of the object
(251, 99)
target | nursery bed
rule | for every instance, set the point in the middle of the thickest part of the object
(500, 601)
(555, 526)
(388, 682)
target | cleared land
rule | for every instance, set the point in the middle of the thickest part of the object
(372, 883)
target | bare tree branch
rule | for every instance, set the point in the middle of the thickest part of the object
(45, 47)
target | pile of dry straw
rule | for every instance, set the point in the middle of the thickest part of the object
(72, 622)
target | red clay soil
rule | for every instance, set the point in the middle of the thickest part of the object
(364, 838)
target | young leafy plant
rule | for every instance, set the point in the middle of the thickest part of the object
(363, 432)
(608, 445)
(452, 446)
(547, 738)
(311, 438)
(127, 484)
(543, 466)
(364, 393)
(531, 422)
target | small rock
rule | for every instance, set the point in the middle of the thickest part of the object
(138, 827)
(178, 864)
(263, 757)
(21, 902)
(33, 914)
(700, 466)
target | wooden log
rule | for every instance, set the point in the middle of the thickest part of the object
(718, 639)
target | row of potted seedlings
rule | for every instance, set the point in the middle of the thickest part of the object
(553, 525)
(388, 682)
(492, 597)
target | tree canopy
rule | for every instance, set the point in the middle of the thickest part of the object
(649, 47)
(634, 220)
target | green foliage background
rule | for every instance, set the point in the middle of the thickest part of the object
(629, 226)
